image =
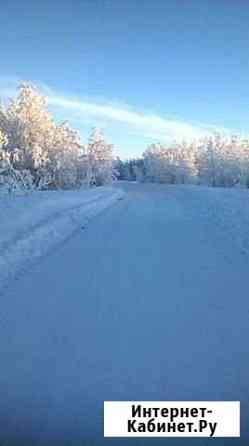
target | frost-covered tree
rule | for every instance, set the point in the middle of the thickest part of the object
(100, 159)
(11, 178)
(51, 153)
(221, 161)
(244, 162)
(3, 140)
(153, 163)
(28, 125)
(29, 128)
(64, 157)
(131, 169)
(217, 160)
(168, 164)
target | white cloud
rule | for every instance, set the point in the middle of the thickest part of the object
(146, 124)
(134, 122)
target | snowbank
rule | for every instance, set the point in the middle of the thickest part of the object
(30, 225)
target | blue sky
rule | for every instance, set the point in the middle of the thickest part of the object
(142, 70)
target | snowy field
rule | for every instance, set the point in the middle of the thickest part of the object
(149, 302)
(34, 223)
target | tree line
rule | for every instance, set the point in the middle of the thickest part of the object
(38, 153)
(216, 160)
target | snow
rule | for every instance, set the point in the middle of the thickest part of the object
(33, 224)
(224, 208)
(149, 302)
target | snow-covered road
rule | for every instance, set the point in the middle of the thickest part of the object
(148, 302)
